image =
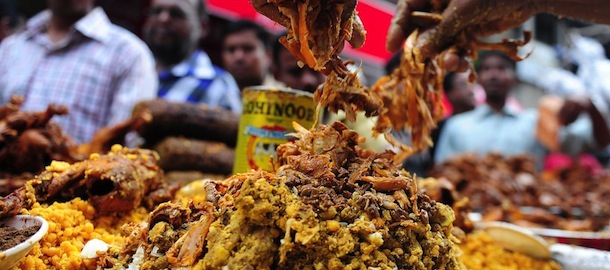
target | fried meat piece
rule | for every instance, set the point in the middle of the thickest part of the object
(317, 29)
(29, 141)
(118, 181)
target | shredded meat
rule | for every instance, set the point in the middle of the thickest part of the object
(329, 204)
(408, 99)
(317, 29)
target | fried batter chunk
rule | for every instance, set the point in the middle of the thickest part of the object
(329, 205)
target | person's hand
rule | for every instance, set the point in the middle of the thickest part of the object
(478, 18)
(572, 108)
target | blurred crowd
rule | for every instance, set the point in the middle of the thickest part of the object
(72, 54)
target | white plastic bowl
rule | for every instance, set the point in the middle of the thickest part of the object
(11, 256)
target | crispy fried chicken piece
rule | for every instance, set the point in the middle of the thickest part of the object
(190, 245)
(116, 182)
(12, 204)
(13, 124)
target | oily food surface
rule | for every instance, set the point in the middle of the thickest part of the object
(330, 204)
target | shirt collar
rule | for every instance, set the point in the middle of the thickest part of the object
(37, 24)
(485, 110)
(94, 25)
(198, 65)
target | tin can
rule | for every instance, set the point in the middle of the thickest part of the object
(267, 117)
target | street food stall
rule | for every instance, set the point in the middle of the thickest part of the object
(320, 202)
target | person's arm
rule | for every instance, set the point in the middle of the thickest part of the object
(595, 11)
(574, 107)
(484, 18)
(601, 132)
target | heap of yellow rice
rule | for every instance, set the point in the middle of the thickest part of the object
(71, 225)
(481, 252)
(74, 223)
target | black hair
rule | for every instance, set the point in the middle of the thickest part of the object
(8, 9)
(448, 82)
(485, 54)
(245, 25)
(276, 48)
(392, 64)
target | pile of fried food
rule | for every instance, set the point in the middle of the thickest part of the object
(191, 139)
(329, 205)
(28, 142)
(72, 225)
(408, 99)
(510, 189)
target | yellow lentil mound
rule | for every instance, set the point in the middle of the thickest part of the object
(481, 252)
(71, 225)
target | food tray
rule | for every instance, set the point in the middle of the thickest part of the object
(580, 258)
(596, 240)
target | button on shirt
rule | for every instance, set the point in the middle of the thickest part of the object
(196, 80)
(100, 71)
(510, 133)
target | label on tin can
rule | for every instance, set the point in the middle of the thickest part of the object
(266, 120)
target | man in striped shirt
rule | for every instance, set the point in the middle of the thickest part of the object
(172, 31)
(73, 55)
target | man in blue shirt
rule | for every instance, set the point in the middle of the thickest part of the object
(172, 30)
(495, 127)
